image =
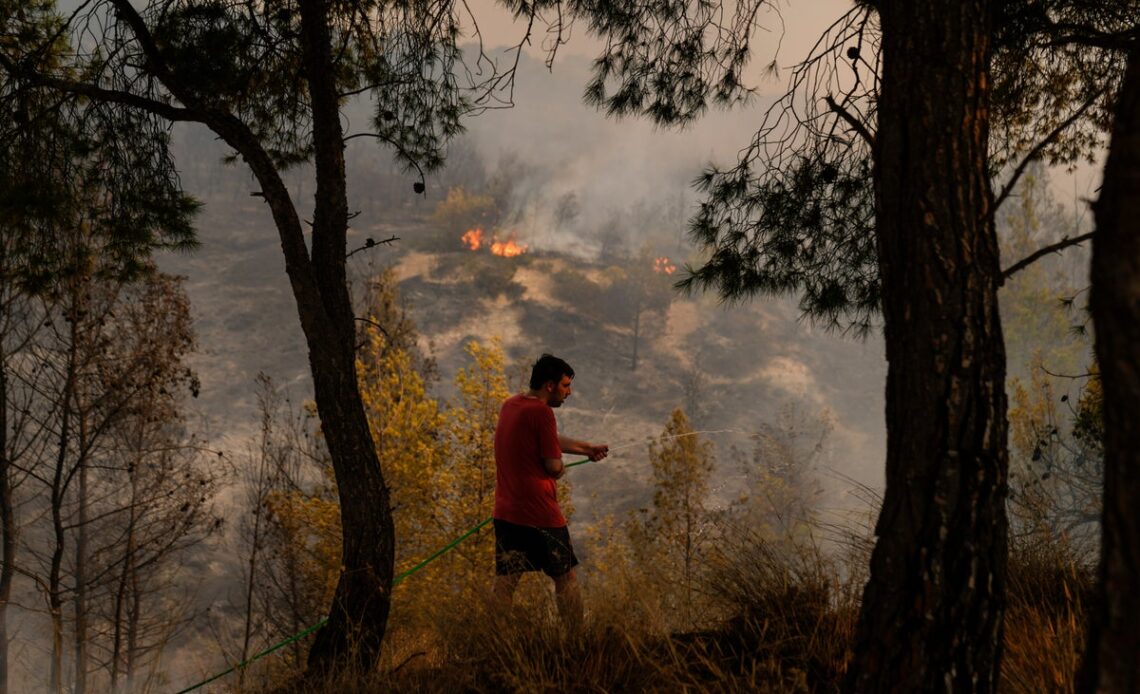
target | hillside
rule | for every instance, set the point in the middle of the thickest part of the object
(740, 366)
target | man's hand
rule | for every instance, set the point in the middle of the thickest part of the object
(596, 453)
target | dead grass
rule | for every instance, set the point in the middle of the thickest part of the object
(1047, 596)
(774, 616)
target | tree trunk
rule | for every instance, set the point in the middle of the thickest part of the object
(80, 635)
(932, 609)
(118, 626)
(7, 524)
(1111, 663)
(58, 494)
(358, 616)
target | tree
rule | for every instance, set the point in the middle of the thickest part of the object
(673, 529)
(797, 213)
(1110, 664)
(1037, 303)
(153, 488)
(921, 250)
(640, 288)
(85, 198)
(270, 80)
(932, 611)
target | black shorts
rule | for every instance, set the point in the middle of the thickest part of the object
(520, 548)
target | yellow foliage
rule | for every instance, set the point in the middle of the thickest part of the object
(310, 534)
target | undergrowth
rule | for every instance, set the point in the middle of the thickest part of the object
(771, 616)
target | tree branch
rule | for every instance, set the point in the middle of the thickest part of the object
(1041, 252)
(851, 120)
(1007, 189)
(422, 187)
(372, 243)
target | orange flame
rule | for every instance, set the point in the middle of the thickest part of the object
(473, 238)
(663, 266)
(508, 248)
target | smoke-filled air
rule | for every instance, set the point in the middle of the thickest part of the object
(501, 347)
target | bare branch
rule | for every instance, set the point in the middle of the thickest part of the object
(372, 243)
(1042, 252)
(851, 120)
(407, 157)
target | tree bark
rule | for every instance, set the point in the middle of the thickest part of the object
(1111, 663)
(931, 618)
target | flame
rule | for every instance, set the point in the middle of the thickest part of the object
(662, 266)
(473, 238)
(508, 248)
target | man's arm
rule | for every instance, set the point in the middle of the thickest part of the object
(554, 467)
(592, 451)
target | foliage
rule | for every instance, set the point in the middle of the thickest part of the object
(69, 163)
(1056, 470)
(667, 60)
(1037, 302)
(493, 276)
(1047, 617)
(670, 538)
(782, 491)
(796, 214)
(437, 457)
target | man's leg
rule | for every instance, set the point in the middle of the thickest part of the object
(503, 589)
(568, 596)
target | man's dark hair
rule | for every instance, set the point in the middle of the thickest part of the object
(549, 368)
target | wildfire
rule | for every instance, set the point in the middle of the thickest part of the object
(508, 248)
(662, 266)
(473, 239)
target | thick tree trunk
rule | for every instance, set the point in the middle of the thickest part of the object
(1111, 663)
(932, 610)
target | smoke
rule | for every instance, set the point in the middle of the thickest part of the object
(575, 174)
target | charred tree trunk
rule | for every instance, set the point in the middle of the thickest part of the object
(932, 609)
(1111, 663)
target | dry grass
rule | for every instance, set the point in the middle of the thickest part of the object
(1048, 592)
(773, 617)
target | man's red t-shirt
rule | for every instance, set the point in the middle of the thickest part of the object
(525, 494)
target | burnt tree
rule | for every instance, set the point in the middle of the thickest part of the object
(1110, 663)
(931, 616)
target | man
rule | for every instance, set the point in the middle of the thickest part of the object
(530, 530)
